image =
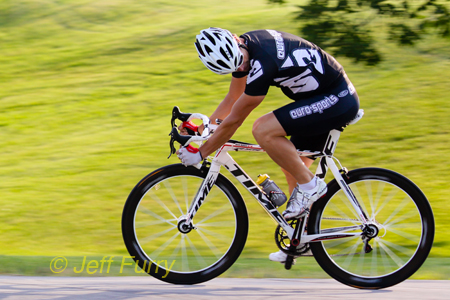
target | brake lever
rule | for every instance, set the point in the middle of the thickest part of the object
(176, 136)
(173, 150)
(177, 114)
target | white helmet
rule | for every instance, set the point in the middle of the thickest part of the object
(218, 50)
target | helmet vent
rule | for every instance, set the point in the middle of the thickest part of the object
(208, 50)
(229, 42)
(224, 65)
(199, 49)
(229, 49)
(224, 53)
(210, 38)
(213, 65)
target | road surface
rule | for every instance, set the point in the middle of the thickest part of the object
(142, 287)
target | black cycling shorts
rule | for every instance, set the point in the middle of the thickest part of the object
(310, 120)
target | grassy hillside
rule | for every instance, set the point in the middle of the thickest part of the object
(86, 91)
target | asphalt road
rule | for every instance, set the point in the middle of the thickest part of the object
(142, 287)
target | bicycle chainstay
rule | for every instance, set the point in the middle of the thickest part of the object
(283, 242)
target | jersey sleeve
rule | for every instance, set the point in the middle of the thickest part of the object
(259, 78)
(239, 74)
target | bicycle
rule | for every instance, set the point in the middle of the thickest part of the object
(373, 229)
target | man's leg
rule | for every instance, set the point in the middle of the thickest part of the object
(271, 136)
(292, 183)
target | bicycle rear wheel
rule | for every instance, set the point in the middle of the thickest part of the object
(151, 220)
(402, 223)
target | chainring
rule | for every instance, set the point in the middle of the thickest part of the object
(283, 242)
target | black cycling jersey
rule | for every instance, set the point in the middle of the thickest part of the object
(297, 66)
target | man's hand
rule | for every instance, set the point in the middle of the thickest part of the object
(189, 156)
(188, 128)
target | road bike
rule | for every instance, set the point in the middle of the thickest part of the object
(373, 229)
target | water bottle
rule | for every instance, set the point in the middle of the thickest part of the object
(274, 193)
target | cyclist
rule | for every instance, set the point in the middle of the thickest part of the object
(324, 99)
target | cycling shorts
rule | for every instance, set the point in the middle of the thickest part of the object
(309, 121)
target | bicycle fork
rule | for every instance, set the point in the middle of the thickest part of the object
(185, 223)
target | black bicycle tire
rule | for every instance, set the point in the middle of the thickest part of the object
(196, 277)
(418, 258)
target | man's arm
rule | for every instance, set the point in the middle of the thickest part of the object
(237, 87)
(239, 112)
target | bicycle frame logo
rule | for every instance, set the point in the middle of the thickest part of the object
(206, 188)
(250, 185)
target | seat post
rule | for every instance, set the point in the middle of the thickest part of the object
(332, 140)
(331, 143)
(328, 150)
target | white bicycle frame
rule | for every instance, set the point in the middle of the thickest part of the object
(222, 158)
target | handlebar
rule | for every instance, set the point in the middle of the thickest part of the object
(185, 140)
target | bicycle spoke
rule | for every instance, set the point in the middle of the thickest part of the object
(144, 210)
(172, 194)
(150, 223)
(218, 224)
(208, 243)
(391, 254)
(161, 248)
(212, 233)
(185, 260)
(219, 211)
(348, 206)
(351, 253)
(156, 198)
(385, 202)
(361, 200)
(398, 209)
(413, 238)
(411, 214)
(401, 250)
(374, 264)
(185, 187)
(147, 239)
(197, 254)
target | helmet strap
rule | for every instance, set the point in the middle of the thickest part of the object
(244, 46)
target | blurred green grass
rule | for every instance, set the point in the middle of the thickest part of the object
(246, 266)
(86, 92)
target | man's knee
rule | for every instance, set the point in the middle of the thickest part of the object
(259, 130)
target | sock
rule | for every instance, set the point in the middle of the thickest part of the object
(308, 186)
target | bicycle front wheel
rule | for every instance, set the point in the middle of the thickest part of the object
(402, 223)
(153, 236)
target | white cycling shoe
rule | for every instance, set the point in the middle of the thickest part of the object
(279, 256)
(300, 201)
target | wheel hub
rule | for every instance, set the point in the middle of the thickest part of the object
(371, 231)
(184, 227)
